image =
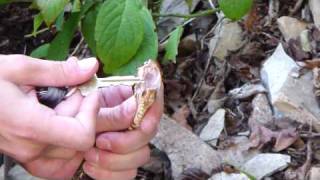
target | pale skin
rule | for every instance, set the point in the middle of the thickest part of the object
(52, 143)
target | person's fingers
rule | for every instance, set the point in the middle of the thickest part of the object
(54, 168)
(96, 172)
(24, 70)
(58, 152)
(74, 133)
(114, 95)
(123, 142)
(152, 117)
(116, 118)
(120, 117)
(68, 107)
(118, 162)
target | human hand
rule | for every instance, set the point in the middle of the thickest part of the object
(57, 162)
(27, 128)
(120, 152)
(119, 162)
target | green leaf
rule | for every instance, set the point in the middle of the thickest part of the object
(60, 21)
(37, 21)
(173, 44)
(88, 27)
(148, 49)
(41, 51)
(76, 6)
(235, 9)
(51, 9)
(59, 47)
(88, 4)
(145, 3)
(119, 32)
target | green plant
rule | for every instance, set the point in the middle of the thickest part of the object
(121, 33)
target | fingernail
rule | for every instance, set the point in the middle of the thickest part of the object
(87, 64)
(92, 156)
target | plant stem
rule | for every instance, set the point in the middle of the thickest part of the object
(36, 33)
(188, 16)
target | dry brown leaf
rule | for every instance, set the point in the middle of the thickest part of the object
(310, 64)
(251, 19)
(261, 135)
(193, 174)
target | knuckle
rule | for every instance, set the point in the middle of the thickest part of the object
(125, 114)
(27, 132)
(64, 71)
(28, 154)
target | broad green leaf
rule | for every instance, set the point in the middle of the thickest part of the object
(148, 49)
(235, 9)
(41, 51)
(59, 47)
(88, 4)
(145, 3)
(59, 22)
(119, 32)
(37, 21)
(88, 27)
(76, 6)
(51, 9)
(173, 44)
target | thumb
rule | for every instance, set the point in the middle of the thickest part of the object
(24, 70)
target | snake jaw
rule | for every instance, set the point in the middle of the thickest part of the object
(146, 93)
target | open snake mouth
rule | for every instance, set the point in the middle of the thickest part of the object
(147, 92)
(151, 74)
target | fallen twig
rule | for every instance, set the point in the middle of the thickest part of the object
(297, 6)
(188, 16)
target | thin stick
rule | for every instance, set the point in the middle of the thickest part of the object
(296, 7)
(77, 47)
(208, 63)
(38, 32)
(188, 16)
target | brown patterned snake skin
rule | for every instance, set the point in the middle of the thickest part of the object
(147, 92)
